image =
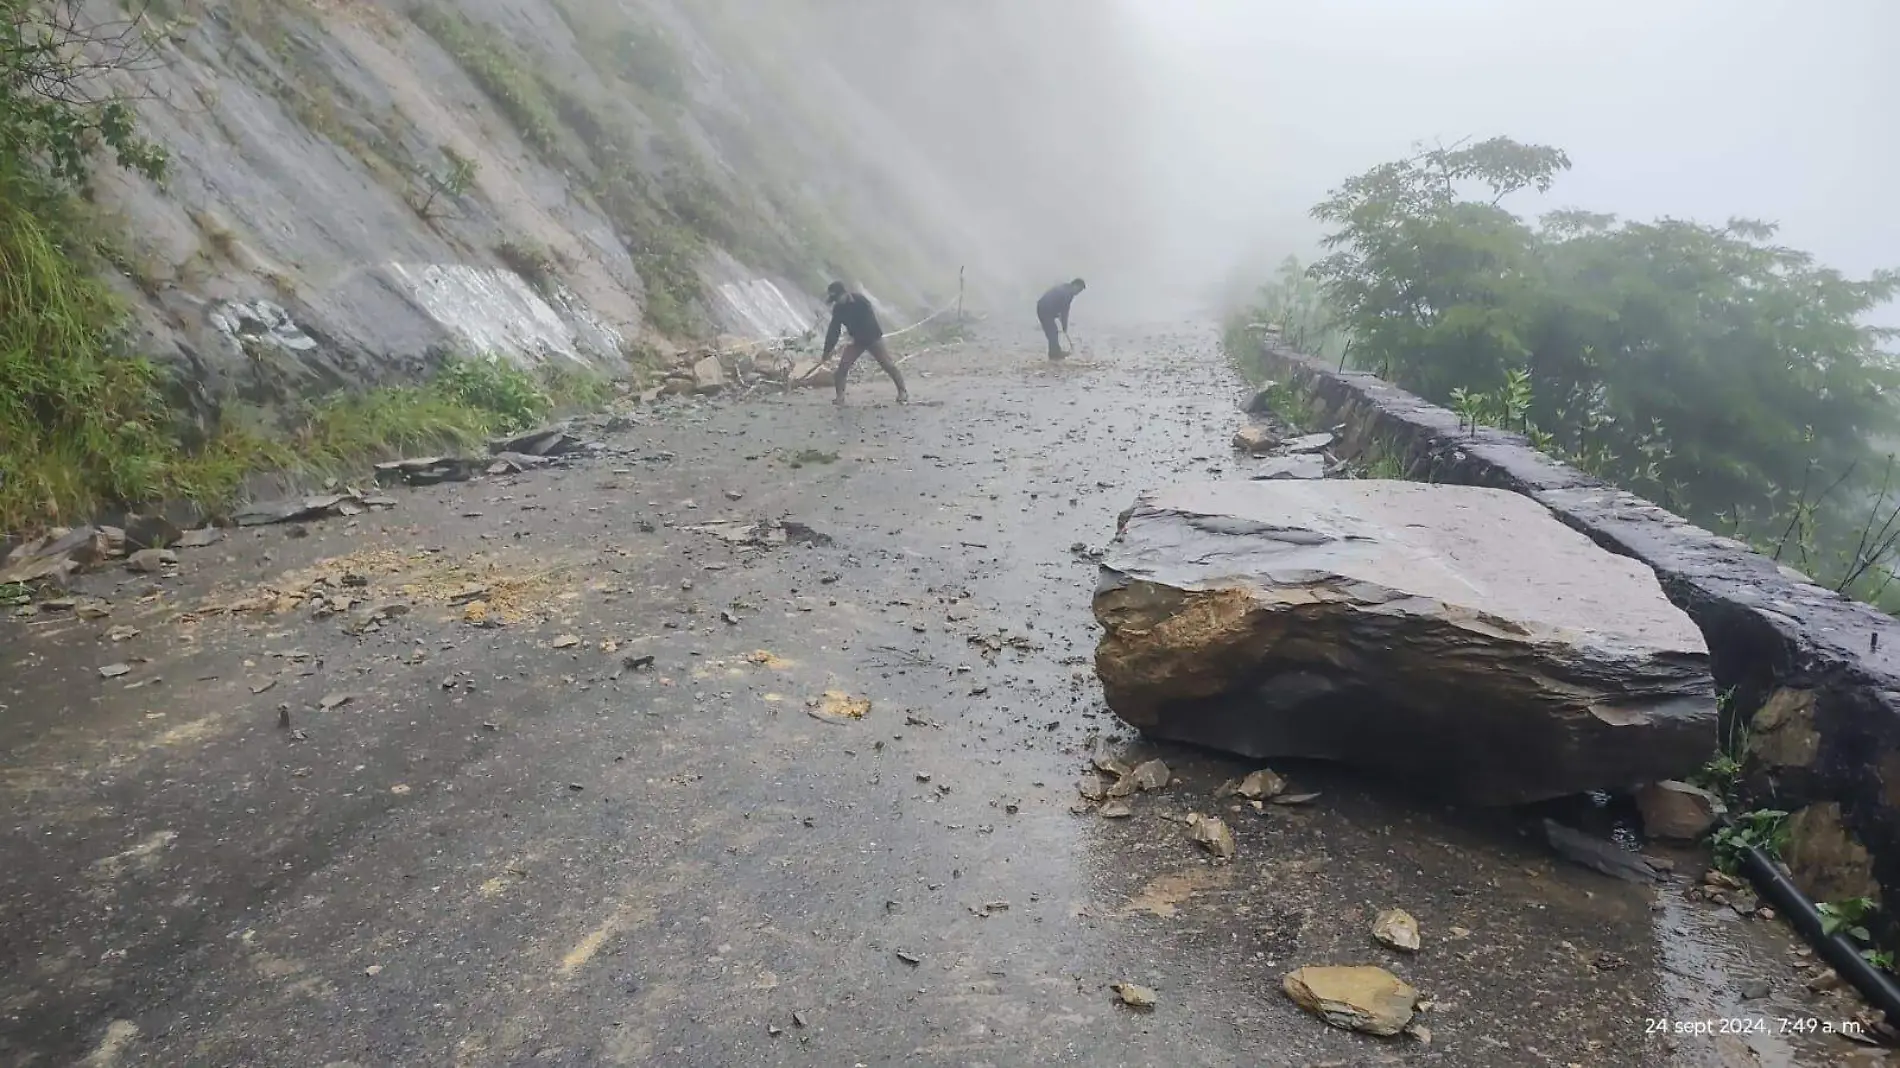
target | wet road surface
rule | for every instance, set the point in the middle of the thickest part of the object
(524, 844)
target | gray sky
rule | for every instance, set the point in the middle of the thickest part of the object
(1779, 110)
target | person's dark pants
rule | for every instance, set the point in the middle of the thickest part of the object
(882, 355)
(1049, 330)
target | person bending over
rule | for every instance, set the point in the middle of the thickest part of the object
(1053, 310)
(853, 314)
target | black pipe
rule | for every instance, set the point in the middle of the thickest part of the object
(1840, 951)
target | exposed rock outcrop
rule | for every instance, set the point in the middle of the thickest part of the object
(1457, 637)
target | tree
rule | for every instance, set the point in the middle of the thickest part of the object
(55, 108)
(1703, 366)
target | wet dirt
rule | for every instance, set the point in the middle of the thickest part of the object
(784, 801)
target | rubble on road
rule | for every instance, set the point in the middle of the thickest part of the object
(1601, 855)
(302, 509)
(426, 470)
(514, 463)
(709, 375)
(1396, 929)
(836, 706)
(1372, 622)
(763, 534)
(1260, 785)
(151, 561)
(1677, 810)
(552, 440)
(150, 532)
(1255, 438)
(1134, 995)
(1299, 465)
(1306, 443)
(1361, 998)
(1212, 834)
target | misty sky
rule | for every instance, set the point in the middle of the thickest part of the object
(1696, 108)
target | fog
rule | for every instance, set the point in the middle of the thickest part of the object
(1154, 145)
(1691, 108)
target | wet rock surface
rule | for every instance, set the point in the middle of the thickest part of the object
(1455, 637)
(1821, 672)
(378, 837)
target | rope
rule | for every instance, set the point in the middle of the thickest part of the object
(894, 333)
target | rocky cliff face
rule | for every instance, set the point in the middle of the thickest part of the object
(358, 187)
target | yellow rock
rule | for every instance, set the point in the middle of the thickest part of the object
(1361, 998)
(1398, 929)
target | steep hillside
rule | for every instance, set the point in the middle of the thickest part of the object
(354, 186)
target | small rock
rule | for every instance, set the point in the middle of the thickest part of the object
(373, 970)
(1753, 989)
(1212, 834)
(1150, 775)
(1255, 438)
(566, 641)
(1825, 982)
(908, 957)
(151, 532)
(1117, 810)
(122, 634)
(799, 1020)
(200, 538)
(1306, 443)
(334, 701)
(1134, 995)
(836, 706)
(734, 495)
(151, 561)
(1677, 810)
(1295, 799)
(1260, 785)
(113, 671)
(1092, 787)
(1361, 998)
(1397, 929)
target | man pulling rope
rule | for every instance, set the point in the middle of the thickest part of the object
(852, 313)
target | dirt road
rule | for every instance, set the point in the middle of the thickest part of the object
(526, 843)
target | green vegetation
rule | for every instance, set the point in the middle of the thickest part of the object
(1765, 829)
(536, 265)
(1707, 368)
(454, 181)
(84, 420)
(649, 60)
(498, 69)
(465, 402)
(1854, 918)
(1292, 304)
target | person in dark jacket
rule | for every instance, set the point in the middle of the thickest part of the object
(1053, 310)
(853, 314)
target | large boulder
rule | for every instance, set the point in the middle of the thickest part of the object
(1456, 637)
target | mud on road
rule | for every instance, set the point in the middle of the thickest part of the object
(632, 808)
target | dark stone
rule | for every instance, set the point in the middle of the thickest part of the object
(426, 470)
(1768, 632)
(544, 441)
(1454, 637)
(150, 532)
